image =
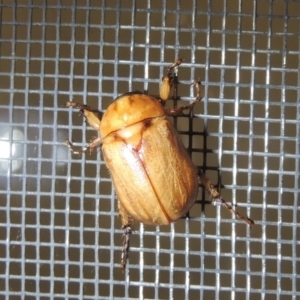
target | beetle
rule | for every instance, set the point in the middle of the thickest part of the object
(155, 179)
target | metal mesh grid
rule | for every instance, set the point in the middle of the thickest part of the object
(60, 233)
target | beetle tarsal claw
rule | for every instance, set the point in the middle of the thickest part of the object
(125, 245)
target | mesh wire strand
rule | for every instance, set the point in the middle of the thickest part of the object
(60, 232)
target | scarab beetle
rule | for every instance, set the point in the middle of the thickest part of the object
(154, 177)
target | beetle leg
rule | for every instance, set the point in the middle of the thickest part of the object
(126, 232)
(95, 143)
(175, 111)
(92, 116)
(217, 198)
(93, 119)
(175, 64)
(125, 245)
(166, 84)
(76, 105)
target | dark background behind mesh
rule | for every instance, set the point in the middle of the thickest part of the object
(60, 232)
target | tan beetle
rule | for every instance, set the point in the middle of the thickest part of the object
(154, 177)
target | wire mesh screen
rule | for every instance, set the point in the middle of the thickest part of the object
(60, 233)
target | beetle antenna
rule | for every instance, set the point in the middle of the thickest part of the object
(217, 198)
(125, 246)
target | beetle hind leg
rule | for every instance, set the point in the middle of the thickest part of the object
(125, 245)
(217, 198)
(126, 226)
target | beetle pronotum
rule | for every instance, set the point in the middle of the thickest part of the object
(154, 177)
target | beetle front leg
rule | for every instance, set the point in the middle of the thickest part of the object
(175, 111)
(166, 84)
(217, 197)
(76, 105)
(95, 143)
(93, 118)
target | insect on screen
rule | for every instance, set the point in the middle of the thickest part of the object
(60, 233)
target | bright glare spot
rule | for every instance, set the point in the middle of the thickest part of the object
(5, 149)
(8, 151)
